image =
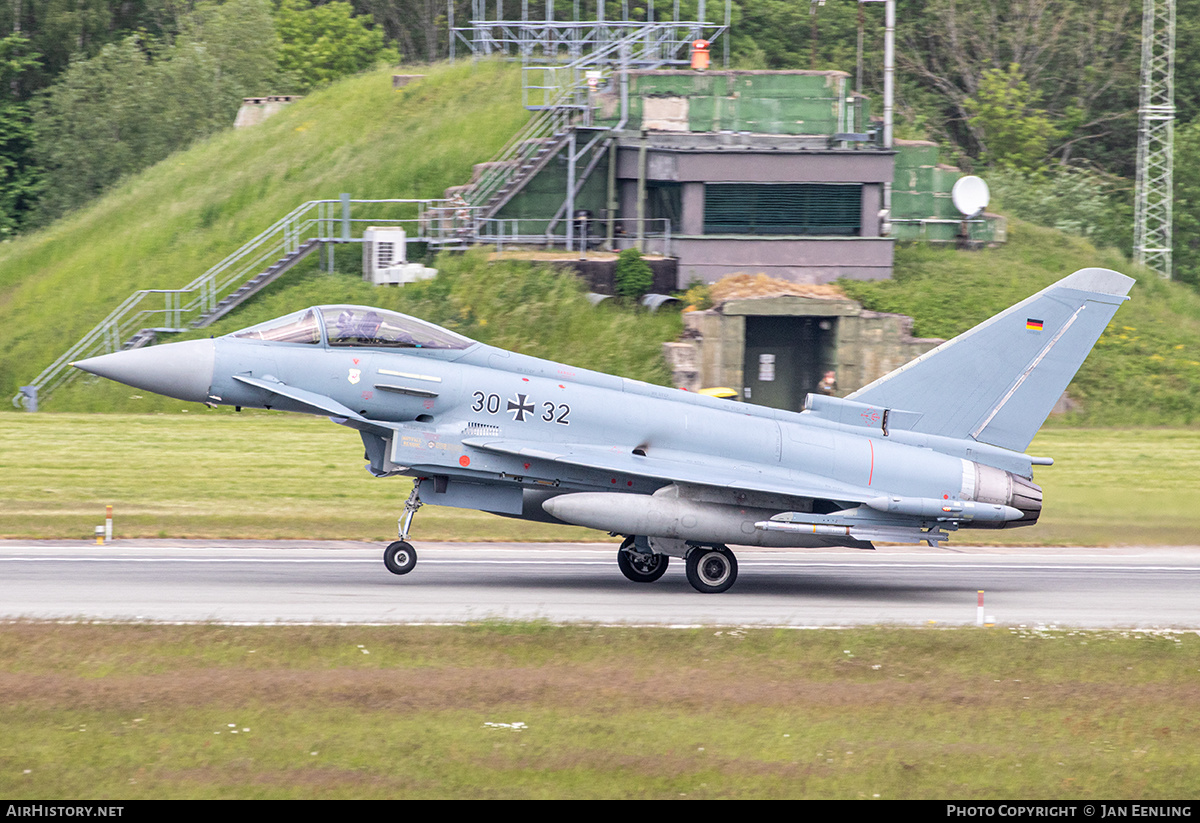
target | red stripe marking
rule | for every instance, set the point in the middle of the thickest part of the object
(872, 474)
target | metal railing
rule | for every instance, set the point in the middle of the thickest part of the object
(655, 234)
(559, 41)
(542, 133)
(559, 93)
(438, 222)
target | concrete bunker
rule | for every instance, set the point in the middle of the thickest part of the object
(775, 350)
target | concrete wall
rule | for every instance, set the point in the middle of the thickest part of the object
(922, 208)
(799, 259)
(869, 344)
(254, 110)
(687, 130)
(693, 161)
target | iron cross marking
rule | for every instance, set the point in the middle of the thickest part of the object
(520, 407)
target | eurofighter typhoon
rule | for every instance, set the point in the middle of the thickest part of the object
(935, 446)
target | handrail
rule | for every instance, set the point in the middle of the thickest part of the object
(655, 233)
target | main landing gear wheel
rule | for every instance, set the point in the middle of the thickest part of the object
(638, 567)
(400, 557)
(711, 570)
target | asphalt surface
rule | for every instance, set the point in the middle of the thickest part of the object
(344, 582)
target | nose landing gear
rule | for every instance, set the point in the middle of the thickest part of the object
(400, 557)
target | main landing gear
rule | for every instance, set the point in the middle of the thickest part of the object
(710, 569)
(400, 557)
(640, 567)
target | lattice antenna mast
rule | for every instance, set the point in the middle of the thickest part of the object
(1156, 133)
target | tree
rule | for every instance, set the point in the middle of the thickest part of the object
(322, 43)
(418, 28)
(1012, 130)
(1081, 57)
(633, 276)
(62, 31)
(1074, 200)
(139, 100)
(241, 37)
(1186, 211)
(93, 125)
(19, 173)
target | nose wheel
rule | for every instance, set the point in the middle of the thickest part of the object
(400, 557)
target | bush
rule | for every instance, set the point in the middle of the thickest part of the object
(633, 276)
(1073, 200)
(698, 295)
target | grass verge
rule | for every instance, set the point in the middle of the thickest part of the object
(215, 474)
(500, 710)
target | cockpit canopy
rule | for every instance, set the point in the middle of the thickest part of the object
(347, 326)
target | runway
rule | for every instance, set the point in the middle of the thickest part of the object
(301, 582)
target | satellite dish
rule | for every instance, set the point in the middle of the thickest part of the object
(970, 195)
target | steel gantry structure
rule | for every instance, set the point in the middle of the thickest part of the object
(1156, 131)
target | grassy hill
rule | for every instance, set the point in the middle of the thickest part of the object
(167, 225)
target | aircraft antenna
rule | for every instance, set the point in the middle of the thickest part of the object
(1156, 133)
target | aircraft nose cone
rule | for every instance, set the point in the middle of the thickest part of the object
(183, 370)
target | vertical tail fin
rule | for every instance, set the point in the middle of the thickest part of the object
(997, 382)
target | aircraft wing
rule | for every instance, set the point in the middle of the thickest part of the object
(683, 467)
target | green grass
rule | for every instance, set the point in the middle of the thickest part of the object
(127, 712)
(275, 475)
(256, 474)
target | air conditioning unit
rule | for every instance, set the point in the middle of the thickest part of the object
(385, 259)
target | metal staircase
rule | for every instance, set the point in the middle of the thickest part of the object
(259, 282)
(558, 93)
(501, 179)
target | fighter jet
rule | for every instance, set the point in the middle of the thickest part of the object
(935, 446)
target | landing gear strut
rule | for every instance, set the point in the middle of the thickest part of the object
(400, 557)
(640, 567)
